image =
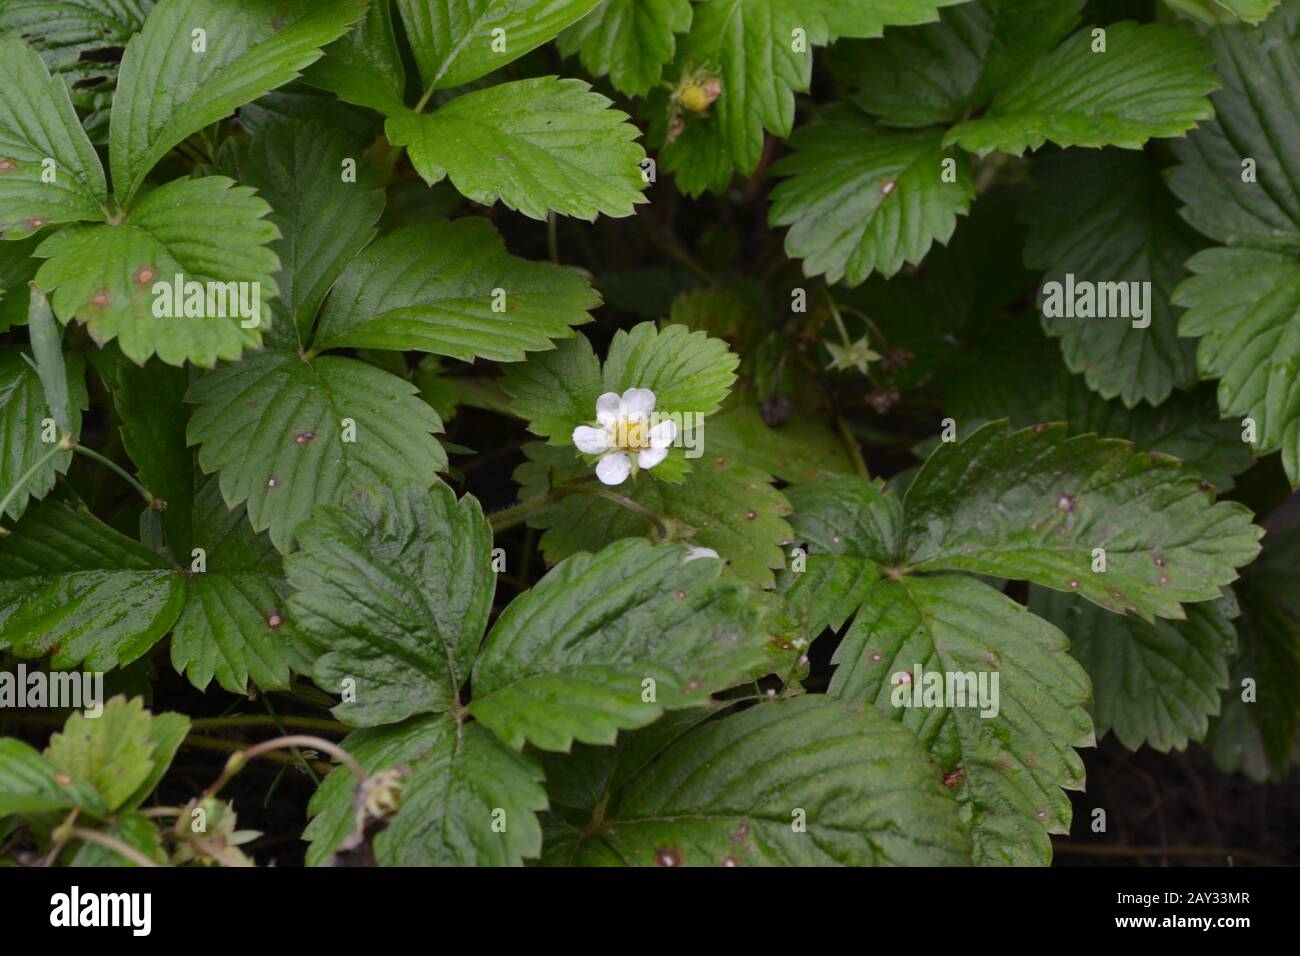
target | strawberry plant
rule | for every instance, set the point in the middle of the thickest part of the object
(640, 432)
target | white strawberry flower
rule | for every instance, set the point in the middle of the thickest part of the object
(625, 439)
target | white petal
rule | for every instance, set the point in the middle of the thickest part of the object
(649, 457)
(613, 469)
(663, 434)
(639, 402)
(607, 408)
(694, 554)
(591, 441)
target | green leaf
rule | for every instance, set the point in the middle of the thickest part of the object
(733, 510)
(1255, 735)
(433, 287)
(207, 230)
(470, 801)
(73, 587)
(630, 41)
(1153, 683)
(801, 449)
(112, 752)
(17, 268)
(556, 391)
(78, 39)
(135, 830)
(730, 792)
(395, 588)
(1151, 81)
(1106, 218)
(1005, 762)
(537, 145)
(688, 371)
(1244, 300)
(1007, 378)
(324, 221)
(861, 198)
(287, 435)
(23, 412)
(457, 41)
(1226, 11)
(571, 659)
(1033, 505)
(167, 90)
(30, 784)
(38, 125)
(365, 65)
(936, 73)
(149, 400)
(762, 52)
(234, 626)
(458, 777)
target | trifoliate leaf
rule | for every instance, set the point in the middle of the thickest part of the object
(1150, 81)
(235, 625)
(1106, 220)
(395, 589)
(112, 752)
(629, 41)
(1035, 504)
(208, 231)
(1240, 188)
(610, 641)
(1255, 735)
(935, 73)
(861, 198)
(30, 784)
(452, 289)
(801, 449)
(325, 218)
(196, 61)
(24, 413)
(802, 782)
(78, 39)
(733, 510)
(537, 145)
(761, 52)
(1007, 748)
(365, 65)
(287, 435)
(1153, 683)
(556, 391)
(456, 41)
(73, 587)
(49, 172)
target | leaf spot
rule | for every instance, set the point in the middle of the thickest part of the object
(303, 438)
(668, 856)
(274, 619)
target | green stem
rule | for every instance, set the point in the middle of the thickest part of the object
(262, 720)
(552, 237)
(114, 466)
(855, 450)
(112, 843)
(623, 502)
(507, 518)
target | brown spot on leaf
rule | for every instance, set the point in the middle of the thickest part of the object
(751, 515)
(875, 657)
(1066, 502)
(144, 275)
(741, 833)
(681, 593)
(100, 298)
(888, 186)
(303, 438)
(730, 860)
(952, 779)
(668, 856)
(273, 482)
(63, 779)
(274, 619)
(8, 164)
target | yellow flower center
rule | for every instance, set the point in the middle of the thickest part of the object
(632, 434)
